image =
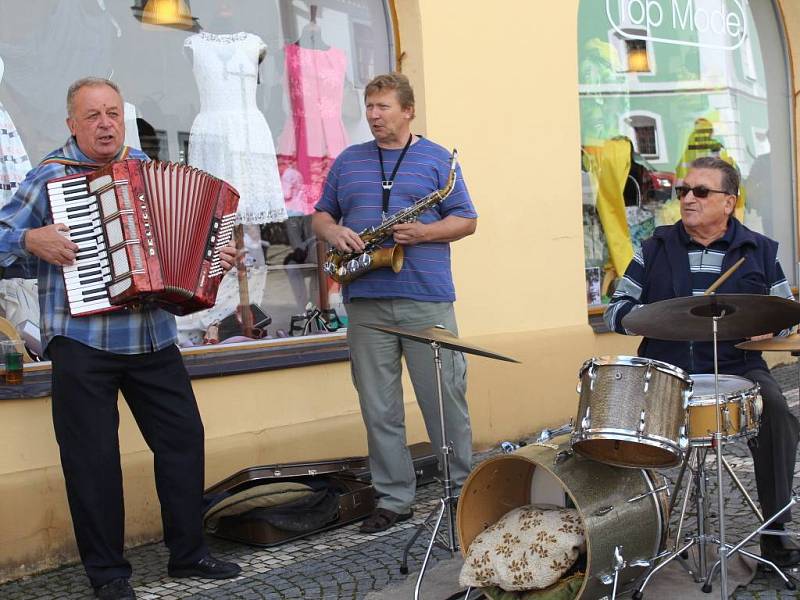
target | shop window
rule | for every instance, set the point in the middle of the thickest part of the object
(710, 96)
(261, 93)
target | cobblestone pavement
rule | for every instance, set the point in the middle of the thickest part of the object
(344, 564)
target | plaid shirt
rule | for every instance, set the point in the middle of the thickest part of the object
(122, 332)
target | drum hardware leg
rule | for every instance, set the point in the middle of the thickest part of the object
(646, 494)
(469, 594)
(617, 564)
(443, 537)
(679, 482)
(701, 500)
(684, 504)
(742, 489)
(730, 550)
(548, 434)
(667, 558)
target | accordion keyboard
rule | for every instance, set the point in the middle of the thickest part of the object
(87, 279)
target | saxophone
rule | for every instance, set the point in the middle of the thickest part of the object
(343, 267)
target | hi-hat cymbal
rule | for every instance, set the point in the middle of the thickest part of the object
(789, 343)
(444, 338)
(690, 318)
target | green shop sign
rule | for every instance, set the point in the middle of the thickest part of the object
(719, 24)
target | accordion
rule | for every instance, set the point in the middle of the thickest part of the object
(146, 232)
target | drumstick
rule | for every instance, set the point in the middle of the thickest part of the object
(722, 278)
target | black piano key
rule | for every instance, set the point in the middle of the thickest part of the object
(76, 226)
(70, 209)
(102, 296)
(93, 280)
(76, 197)
(94, 291)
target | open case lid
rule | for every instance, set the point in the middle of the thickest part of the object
(254, 475)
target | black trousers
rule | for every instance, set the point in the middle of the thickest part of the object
(775, 448)
(156, 386)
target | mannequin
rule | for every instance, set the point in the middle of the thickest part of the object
(311, 36)
(230, 139)
(314, 135)
(14, 162)
(19, 299)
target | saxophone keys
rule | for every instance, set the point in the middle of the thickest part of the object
(352, 265)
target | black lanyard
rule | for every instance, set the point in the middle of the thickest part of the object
(386, 184)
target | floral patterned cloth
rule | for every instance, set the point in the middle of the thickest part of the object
(530, 547)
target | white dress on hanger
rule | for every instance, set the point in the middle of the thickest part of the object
(14, 162)
(230, 137)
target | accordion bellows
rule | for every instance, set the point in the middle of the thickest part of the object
(147, 232)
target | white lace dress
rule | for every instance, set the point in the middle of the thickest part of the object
(230, 137)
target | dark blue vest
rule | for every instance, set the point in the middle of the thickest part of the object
(667, 275)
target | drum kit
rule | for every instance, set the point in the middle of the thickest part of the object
(635, 416)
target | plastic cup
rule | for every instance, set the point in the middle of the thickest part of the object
(12, 359)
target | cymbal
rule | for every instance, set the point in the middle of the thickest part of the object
(790, 343)
(444, 338)
(689, 318)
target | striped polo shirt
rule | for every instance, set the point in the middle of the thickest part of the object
(353, 194)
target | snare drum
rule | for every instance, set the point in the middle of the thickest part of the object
(740, 408)
(632, 412)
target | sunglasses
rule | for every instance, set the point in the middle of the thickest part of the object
(699, 191)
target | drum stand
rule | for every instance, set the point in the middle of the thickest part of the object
(695, 463)
(444, 538)
(699, 454)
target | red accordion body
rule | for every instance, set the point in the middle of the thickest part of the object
(147, 232)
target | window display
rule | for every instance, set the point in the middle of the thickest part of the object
(270, 94)
(14, 163)
(661, 87)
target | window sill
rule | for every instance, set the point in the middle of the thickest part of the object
(216, 361)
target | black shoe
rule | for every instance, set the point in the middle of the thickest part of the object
(781, 550)
(207, 567)
(118, 589)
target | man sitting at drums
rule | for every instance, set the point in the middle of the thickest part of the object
(684, 259)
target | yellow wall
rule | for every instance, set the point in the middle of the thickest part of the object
(507, 99)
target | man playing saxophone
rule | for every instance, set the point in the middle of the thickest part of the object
(367, 184)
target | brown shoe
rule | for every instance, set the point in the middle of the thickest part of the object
(382, 519)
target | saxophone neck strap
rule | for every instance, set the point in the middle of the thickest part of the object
(386, 184)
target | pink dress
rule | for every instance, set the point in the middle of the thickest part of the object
(315, 135)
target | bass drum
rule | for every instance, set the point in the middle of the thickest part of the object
(619, 507)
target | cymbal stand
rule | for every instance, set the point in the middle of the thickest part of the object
(738, 548)
(716, 443)
(698, 453)
(445, 538)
